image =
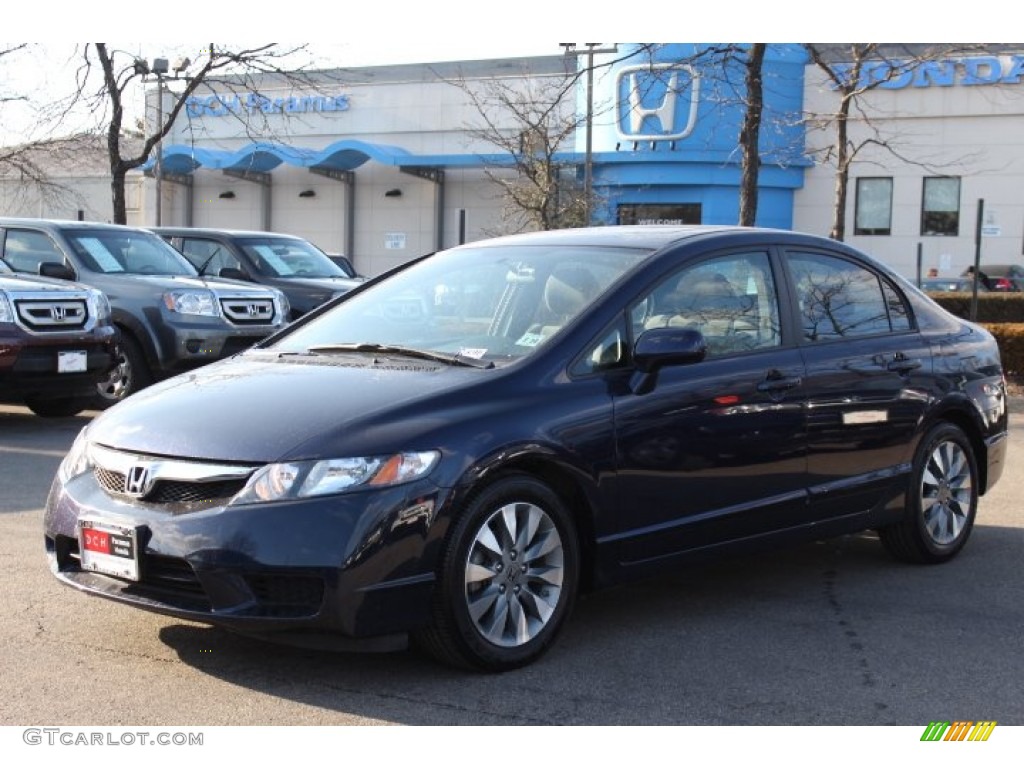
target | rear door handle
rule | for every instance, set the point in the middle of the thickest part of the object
(903, 364)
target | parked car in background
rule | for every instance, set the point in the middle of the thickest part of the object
(584, 407)
(57, 343)
(950, 285)
(1004, 277)
(345, 264)
(169, 318)
(294, 266)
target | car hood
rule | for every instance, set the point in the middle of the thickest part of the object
(20, 283)
(220, 285)
(259, 407)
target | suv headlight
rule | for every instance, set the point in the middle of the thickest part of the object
(191, 302)
(6, 313)
(301, 479)
(284, 309)
(99, 305)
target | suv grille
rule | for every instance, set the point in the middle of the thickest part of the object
(52, 315)
(248, 311)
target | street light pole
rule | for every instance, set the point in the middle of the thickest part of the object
(160, 68)
(588, 161)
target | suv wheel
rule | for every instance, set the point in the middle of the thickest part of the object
(128, 376)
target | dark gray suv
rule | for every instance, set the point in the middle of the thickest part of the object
(296, 267)
(170, 319)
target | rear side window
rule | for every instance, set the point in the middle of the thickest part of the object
(841, 299)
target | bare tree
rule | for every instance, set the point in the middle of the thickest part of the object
(750, 133)
(534, 122)
(853, 71)
(104, 76)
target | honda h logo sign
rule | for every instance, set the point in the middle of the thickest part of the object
(657, 102)
(58, 314)
(137, 481)
(254, 310)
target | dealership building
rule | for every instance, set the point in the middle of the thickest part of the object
(384, 164)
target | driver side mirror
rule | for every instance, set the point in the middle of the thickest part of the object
(233, 273)
(56, 269)
(660, 347)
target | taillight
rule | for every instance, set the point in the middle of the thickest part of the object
(1003, 284)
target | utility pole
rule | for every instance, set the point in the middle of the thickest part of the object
(588, 163)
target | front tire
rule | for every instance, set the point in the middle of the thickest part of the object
(942, 499)
(129, 375)
(508, 578)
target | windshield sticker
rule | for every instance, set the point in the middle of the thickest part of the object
(104, 258)
(472, 352)
(529, 340)
(279, 265)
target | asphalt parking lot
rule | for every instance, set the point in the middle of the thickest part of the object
(832, 633)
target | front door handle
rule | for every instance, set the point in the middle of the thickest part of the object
(776, 382)
(903, 364)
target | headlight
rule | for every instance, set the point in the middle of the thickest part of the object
(99, 305)
(284, 309)
(77, 461)
(6, 313)
(301, 479)
(191, 302)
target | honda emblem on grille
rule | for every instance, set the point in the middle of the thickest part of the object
(254, 310)
(58, 314)
(137, 481)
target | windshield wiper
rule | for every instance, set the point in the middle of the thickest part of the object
(423, 354)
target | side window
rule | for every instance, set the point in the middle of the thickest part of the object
(730, 299)
(25, 250)
(838, 298)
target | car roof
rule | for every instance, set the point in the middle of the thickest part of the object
(59, 224)
(214, 231)
(653, 236)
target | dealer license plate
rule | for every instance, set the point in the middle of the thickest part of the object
(109, 548)
(72, 362)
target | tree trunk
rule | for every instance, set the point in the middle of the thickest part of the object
(842, 171)
(117, 182)
(750, 136)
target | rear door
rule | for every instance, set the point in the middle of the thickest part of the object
(867, 374)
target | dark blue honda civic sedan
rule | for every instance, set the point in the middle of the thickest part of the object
(453, 451)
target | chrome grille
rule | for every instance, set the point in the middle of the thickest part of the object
(174, 485)
(243, 311)
(52, 315)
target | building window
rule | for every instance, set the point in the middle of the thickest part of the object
(940, 206)
(873, 207)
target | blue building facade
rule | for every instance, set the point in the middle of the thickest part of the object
(665, 134)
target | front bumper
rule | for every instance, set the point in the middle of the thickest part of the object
(32, 370)
(189, 341)
(359, 565)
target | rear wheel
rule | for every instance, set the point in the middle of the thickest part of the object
(942, 499)
(129, 375)
(508, 578)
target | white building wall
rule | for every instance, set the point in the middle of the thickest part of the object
(970, 131)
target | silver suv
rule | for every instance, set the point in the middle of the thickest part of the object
(170, 318)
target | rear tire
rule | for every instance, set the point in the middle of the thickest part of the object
(129, 375)
(507, 580)
(942, 499)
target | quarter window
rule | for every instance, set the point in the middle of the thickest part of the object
(940, 206)
(873, 207)
(25, 250)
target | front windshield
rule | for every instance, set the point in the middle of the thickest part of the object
(126, 251)
(280, 257)
(492, 304)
